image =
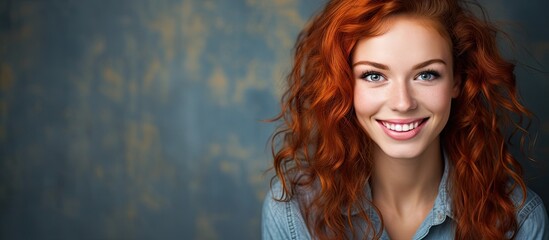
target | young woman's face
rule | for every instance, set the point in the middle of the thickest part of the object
(404, 86)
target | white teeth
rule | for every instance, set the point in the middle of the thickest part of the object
(401, 127)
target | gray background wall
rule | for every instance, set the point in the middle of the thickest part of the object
(141, 119)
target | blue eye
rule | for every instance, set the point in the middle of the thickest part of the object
(372, 76)
(428, 75)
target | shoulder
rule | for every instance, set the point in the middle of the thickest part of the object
(280, 219)
(531, 216)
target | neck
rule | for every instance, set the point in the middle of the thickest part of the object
(410, 183)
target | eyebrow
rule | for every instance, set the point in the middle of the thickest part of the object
(385, 67)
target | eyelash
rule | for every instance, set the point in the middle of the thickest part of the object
(366, 74)
(432, 72)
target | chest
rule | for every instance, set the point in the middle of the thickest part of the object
(434, 226)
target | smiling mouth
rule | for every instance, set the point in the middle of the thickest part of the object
(403, 127)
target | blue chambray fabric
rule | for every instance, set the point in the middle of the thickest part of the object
(283, 220)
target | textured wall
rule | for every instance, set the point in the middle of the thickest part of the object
(140, 119)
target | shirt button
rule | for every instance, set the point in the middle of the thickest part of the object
(439, 217)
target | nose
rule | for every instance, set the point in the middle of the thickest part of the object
(401, 97)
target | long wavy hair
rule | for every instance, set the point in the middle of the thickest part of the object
(321, 147)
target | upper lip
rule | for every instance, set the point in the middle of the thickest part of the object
(402, 121)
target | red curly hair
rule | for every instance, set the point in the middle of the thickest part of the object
(322, 146)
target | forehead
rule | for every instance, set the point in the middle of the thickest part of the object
(405, 38)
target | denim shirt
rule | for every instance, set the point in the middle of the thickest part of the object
(283, 220)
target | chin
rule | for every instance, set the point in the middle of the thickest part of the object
(404, 152)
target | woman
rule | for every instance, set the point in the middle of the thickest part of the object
(393, 126)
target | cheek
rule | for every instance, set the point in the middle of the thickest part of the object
(366, 103)
(438, 100)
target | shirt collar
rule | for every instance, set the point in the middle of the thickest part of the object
(443, 202)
